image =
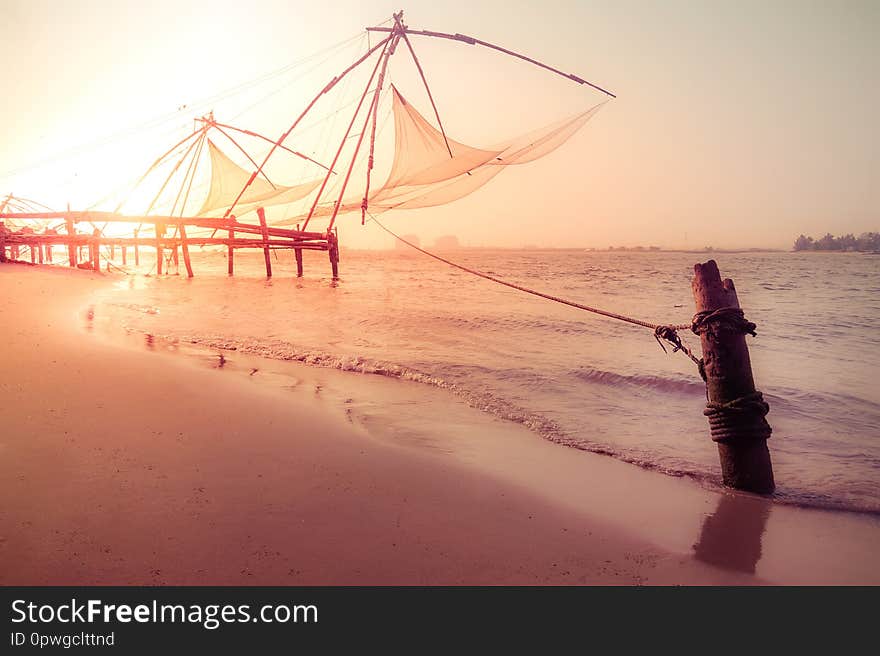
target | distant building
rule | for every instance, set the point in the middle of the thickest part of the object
(447, 242)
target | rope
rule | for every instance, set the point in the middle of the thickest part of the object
(741, 418)
(661, 331)
(730, 319)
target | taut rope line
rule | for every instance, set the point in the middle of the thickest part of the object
(661, 331)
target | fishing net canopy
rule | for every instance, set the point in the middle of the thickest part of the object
(424, 173)
(228, 179)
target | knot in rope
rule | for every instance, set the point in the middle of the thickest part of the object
(726, 318)
(670, 334)
(741, 418)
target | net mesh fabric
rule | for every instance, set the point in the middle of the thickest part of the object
(228, 179)
(424, 175)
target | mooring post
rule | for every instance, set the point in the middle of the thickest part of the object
(736, 411)
(261, 213)
(185, 248)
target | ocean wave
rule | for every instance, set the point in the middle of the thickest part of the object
(659, 383)
(492, 404)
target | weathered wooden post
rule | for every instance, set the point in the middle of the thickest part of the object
(124, 249)
(736, 411)
(2, 242)
(71, 247)
(230, 254)
(94, 252)
(261, 213)
(50, 246)
(185, 248)
(298, 254)
(137, 255)
(333, 251)
(160, 254)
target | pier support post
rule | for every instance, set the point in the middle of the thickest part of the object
(230, 254)
(298, 254)
(185, 248)
(261, 213)
(137, 255)
(333, 251)
(71, 247)
(2, 242)
(94, 250)
(736, 411)
(160, 254)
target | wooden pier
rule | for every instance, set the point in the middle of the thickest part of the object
(162, 233)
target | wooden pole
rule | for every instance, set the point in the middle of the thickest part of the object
(230, 254)
(2, 241)
(332, 83)
(298, 254)
(333, 251)
(261, 213)
(735, 409)
(137, 255)
(160, 255)
(185, 248)
(348, 131)
(124, 255)
(94, 254)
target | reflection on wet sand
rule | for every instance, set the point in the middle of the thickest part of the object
(731, 536)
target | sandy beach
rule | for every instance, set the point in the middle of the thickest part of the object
(119, 465)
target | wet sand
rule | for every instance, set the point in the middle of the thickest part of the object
(120, 465)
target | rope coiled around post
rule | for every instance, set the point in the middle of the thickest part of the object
(742, 418)
(745, 416)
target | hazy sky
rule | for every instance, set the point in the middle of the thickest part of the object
(737, 123)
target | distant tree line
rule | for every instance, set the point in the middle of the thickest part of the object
(867, 241)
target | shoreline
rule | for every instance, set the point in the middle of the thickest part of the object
(505, 508)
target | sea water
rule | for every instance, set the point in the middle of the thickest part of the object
(572, 377)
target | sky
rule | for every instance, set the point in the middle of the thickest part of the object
(737, 124)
